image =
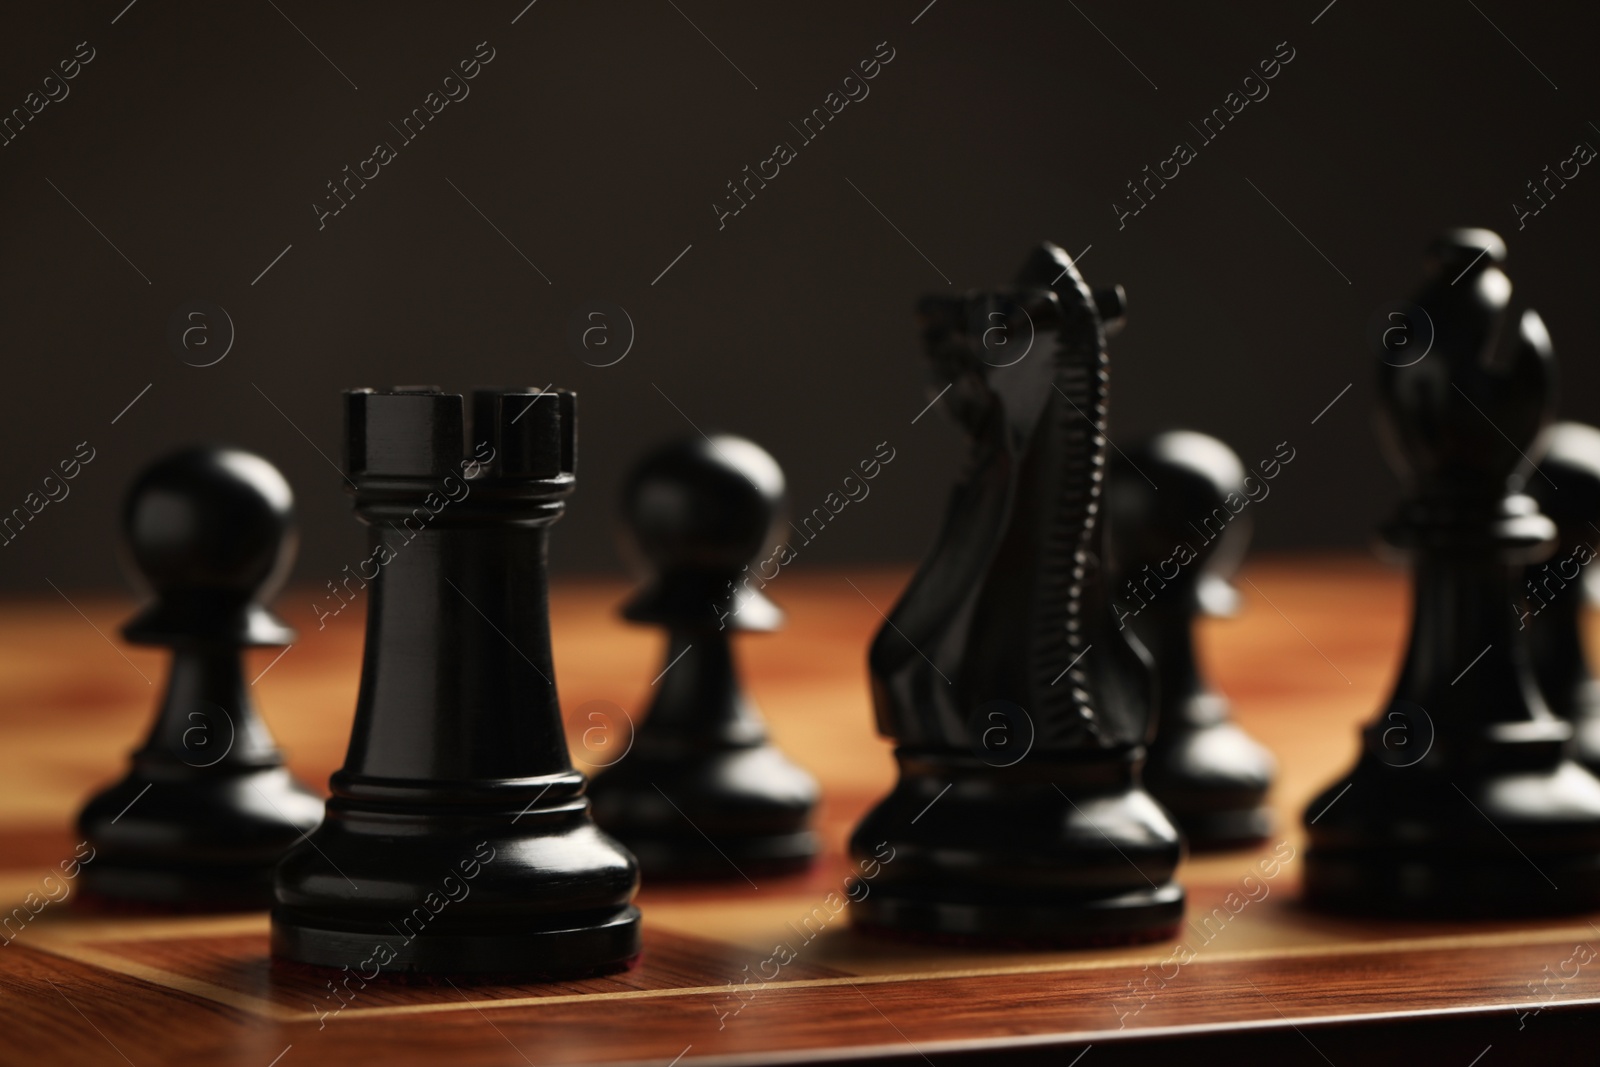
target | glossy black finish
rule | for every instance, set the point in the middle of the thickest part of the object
(1178, 529)
(1567, 487)
(208, 808)
(1019, 710)
(458, 838)
(1464, 800)
(703, 793)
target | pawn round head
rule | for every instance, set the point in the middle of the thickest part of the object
(703, 504)
(211, 531)
(1174, 505)
(696, 513)
(1566, 486)
(1454, 251)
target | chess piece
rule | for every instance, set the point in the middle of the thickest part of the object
(458, 837)
(1464, 800)
(1567, 488)
(208, 808)
(1176, 536)
(703, 793)
(1019, 710)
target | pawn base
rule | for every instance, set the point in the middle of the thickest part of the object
(709, 815)
(1450, 885)
(1586, 740)
(693, 859)
(194, 839)
(1131, 918)
(1212, 778)
(179, 889)
(603, 945)
(1217, 831)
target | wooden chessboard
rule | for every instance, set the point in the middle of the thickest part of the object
(1310, 658)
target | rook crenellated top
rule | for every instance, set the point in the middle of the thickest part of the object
(513, 434)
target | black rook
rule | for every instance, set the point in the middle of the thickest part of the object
(458, 837)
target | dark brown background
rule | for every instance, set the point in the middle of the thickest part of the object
(597, 139)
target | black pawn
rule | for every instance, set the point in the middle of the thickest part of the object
(1178, 531)
(1567, 487)
(209, 808)
(703, 793)
(1464, 800)
(458, 837)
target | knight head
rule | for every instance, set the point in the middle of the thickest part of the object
(983, 345)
